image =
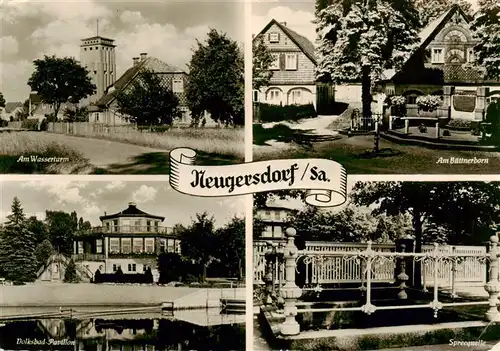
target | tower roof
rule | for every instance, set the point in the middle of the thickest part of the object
(131, 211)
(97, 40)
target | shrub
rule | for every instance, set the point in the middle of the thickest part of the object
(428, 103)
(30, 124)
(44, 125)
(70, 275)
(120, 278)
(171, 267)
(277, 113)
(3, 123)
(446, 132)
(459, 124)
(422, 128)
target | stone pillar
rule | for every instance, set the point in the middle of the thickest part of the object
(390, 122)
(480, 103)
(437, 130)
(291, 292)
(493, 285)
(447, 91)
(407, 126)
(268, 276)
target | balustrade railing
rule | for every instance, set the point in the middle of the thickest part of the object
(369, 259)
(131, 229)
(88, 257)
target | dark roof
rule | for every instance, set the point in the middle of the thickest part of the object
(98, 37)
(151, 63)
(302, 42)
(131, 211)
(11, 106)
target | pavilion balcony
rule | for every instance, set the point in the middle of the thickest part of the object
(88, 257)
(131, 229)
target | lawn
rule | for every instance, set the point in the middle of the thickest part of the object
(354, 154)
(214, 141)
(13, 145)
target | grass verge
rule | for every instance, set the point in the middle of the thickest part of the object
(13, 146)
(219, 141)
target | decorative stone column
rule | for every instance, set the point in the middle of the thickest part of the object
(291, 292)
(402, 276)
(480, 103)
(407, 126)
(390, 121)
(268, 276)
(437, 130)
(493, 285)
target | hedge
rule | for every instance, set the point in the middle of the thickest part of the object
(276, 113)
(120, 277)
(30, 124)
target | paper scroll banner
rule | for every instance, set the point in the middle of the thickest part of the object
(324, 181)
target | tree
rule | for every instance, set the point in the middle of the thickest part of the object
(38, 229)
(17, 247)
(70, 274)
(84, 225)
(465, 210)
(2, 100)
(262, 60)
(359, 39)
(42, 252)
(216, 80)
(171, 267)
(261, 199)
(77, 114)
(60, 80)
(486, 29)
(198, 242)
(149, 100)
(61, 226)
(230, 250)
(429, 10)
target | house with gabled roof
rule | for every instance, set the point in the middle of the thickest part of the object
(444, 65)
(293, 80)
(11, 109)
(105, 109)
(129, 240)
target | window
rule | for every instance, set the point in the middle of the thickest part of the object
(115, 225)
(137, 226)
(170, 245)
(275, 65)
(177, 85)
(108, 226)
(126, 245)
(268, 213)
(138, 245)
(116, 267)
(296, 97)
(80, 247)
(126, 225)
(274, 37)
(132, 267)
(114, 245)
(470, 55)
(163, 245)
(278, 232)
(98, 246)
(268, 232)
(255, 95)
(277, 215)
(291, 61)
(148, 224)
(96, 115)
(273, 96)
(150, 245)
(437, 56)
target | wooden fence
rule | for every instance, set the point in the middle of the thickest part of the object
(85, 128)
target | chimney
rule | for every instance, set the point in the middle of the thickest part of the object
(136, 60)
(132, 204)
(144, 55)
(283, 23)
(105, 213)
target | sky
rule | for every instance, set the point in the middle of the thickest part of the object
(166, 29)
(90, 199)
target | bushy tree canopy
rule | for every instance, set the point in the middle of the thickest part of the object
(149, 101)
(60, 80)
(261, 63)
(216, 80)
(429, 10)
(486, 27)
